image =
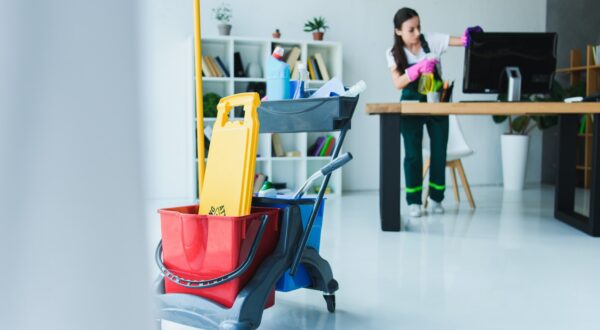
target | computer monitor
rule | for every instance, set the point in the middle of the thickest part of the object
(514, 63)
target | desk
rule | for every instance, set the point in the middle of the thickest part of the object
(390, 115)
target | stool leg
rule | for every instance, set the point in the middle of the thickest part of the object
(461, 172)
(426, 190)
(452, 166)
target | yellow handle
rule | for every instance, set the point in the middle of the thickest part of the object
(250, 101)
(199, 104)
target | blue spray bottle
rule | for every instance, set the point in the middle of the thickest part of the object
(278, 76)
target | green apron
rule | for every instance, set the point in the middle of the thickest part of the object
(412, 133)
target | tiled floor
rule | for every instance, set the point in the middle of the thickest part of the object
(506, 265)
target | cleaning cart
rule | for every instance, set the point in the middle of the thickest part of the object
(277, 241)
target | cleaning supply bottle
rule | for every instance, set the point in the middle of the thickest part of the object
(426, 83)
(427, 80)
(303, 77)
(278, 76)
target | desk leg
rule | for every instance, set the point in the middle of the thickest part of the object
(389, 171)
(564, 197)
(564, 203)
(595, 184)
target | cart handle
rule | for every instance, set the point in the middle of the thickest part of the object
(194, 284)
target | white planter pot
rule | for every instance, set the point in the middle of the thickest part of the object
(224, 29)
(514, 160)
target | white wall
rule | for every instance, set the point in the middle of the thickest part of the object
(365, 29)
(168, 100)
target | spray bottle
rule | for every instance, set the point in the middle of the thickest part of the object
(427, 80)
(302, 81)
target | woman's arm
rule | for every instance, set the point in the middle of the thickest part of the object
(455, 41)
(400, 81)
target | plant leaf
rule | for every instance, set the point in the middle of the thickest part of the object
(545, 122)
(310, 26)
(499, 119)
(315, 24)
(520, 123)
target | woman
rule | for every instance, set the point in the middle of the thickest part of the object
(413, 54)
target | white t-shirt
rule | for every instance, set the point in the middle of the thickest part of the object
(438, 44)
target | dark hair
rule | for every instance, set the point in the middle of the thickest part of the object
(402, 15)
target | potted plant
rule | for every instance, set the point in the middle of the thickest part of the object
(317, 26)
(514, 144)
(222, 14)
(276, 34)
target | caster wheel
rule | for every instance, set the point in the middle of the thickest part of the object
(330, 300)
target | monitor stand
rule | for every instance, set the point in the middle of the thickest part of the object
(514, 83)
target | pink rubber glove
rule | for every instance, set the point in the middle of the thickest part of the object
(425, 66)
(466, 37)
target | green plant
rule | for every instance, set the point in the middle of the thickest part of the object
(524, 124)
(316, 24)
(222, 13)
(209, 104)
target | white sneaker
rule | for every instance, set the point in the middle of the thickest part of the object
(436, 208)
(415, 210)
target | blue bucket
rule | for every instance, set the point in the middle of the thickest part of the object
(301, 279)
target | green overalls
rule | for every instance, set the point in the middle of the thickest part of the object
(412, 132)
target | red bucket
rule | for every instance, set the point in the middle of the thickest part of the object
(203, 247)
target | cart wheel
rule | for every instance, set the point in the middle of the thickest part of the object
(330, 300)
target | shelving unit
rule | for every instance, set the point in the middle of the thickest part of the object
(255, 51)
(577, 72)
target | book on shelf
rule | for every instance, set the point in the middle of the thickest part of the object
(209, 63)
(205, 68)
(277, 145)
(214, 72)
(311, 70)
(259, 179)
(330, 147)
(238, 66)
(316, 68)
(206, 64)
(323, 151)
(215, 67)
(294, 75)
(322, 67)
(316, 147)
(222, 66)
(292, 58)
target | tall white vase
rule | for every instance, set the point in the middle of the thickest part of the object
(514, 160)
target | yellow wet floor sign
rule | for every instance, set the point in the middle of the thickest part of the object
(229, 176)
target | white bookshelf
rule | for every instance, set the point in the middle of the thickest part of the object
(291, 170)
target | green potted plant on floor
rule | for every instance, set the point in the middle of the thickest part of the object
(317, 26)
(222, 14)
(514, 143)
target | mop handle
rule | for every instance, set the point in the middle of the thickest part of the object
(336, 163)
(332, 166)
